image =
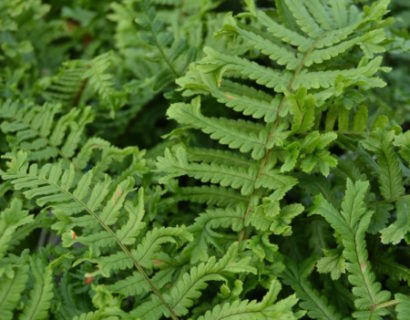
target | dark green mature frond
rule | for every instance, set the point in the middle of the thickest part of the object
(34, 129)
(77, 76)
(316, 304)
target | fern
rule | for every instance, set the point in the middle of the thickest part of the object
(11, 289)
(32, 128)
(53, 186)
(316, 305)
(42, 292)
(352, 223)
(301, 79)
(110, 211)
(253, 310)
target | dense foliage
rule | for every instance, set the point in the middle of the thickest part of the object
(210, 159)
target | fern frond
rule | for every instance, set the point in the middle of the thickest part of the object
(176, 164)
(390, 176)
(352, 223)
(396, 231)
(205, 234)
(241, 98)
(103, 82)
(316, 305)
(67, 86)
(76, 76)
(132, 285)
(188, 287)
(240, 134)
(11, 219)
(11, 289)
(403, 306)
(211, 195)
(253, 310)
(58, 188)
(40, 296)
(36, 131)
(145, 252)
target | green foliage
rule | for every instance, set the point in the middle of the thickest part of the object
(212, 159)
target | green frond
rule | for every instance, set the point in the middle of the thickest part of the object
(219, 156)
(241, 68)
(189, 285)
(39, 302)
(132, 285)
(316, 305)
(363, 74)
(145, 252)
(283, 33)
(396, 231)
(253, 310)
(303, 18)
(102, 81)
(351, 223)
(67, 85)
(272, 179)
(74, 78)
(390, 176)
(403, 307)
(204, 230)
(243, 135)
(268, 216)
(36, 131)
(387, 265)
(10, 220)
(176, 164)
(211, 195)
(11, 289)
(239, 97)
(333, 263)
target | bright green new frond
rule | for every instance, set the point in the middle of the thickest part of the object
(35, 129)
(351, 223)
(40, 296)
(316, 305)
(243, 135)
(253, 310)
(396, 231)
